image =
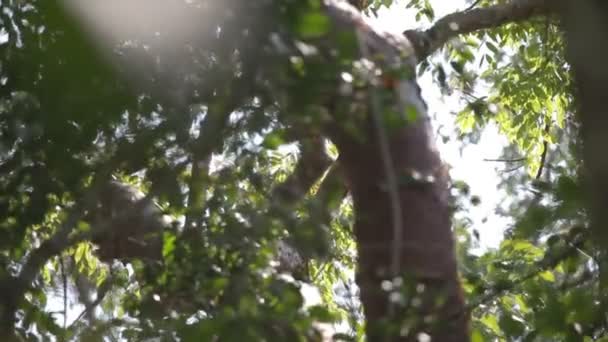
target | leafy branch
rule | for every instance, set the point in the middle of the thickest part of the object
(470, 20)
(549, 261)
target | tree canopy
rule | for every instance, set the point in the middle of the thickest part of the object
(190, 170)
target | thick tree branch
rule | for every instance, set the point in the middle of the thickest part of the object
(427, 42)
(60, 240)
(333, 189)
(211, 137)
(312, 164)
(65, 237)
(15, 287)
(310, 167)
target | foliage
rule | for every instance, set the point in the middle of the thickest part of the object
(540, 284)
(69, 117)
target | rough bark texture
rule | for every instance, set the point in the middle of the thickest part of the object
(426, 265)
(426, 250)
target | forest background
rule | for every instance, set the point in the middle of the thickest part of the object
(223, 170)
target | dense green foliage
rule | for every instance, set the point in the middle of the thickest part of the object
(70, 118)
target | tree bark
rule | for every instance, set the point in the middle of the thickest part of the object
(426, 251)
(407, 270)
(585, 24)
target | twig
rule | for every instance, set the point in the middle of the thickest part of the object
(543, 156)
(513, 169)
(310, 167)
(102, 291)
(64, 278)
(470, 94)
(475, 3)
(319, 272)
(514, 160)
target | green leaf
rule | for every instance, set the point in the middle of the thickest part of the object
(321, 314)
(511, 327)
(46, 275)
(477, 336)
(492, 47)
(491, 322)
(458, 66)
(273, 140)
(313, 24)
(465, 121)
(80, 251)
(168, 244)
(548, 276)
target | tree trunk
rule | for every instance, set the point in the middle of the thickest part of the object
(407, 270)
(585, 23)
(426, 251)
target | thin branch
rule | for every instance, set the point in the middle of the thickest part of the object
(475, 3)
(102, 291)
(543, 156)
(470, 94)
(199, 170)
(331, 185)
(427, 42)
(512, 169)
(211, 134)
(64, 279)
(320, 271)
(514, 160)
